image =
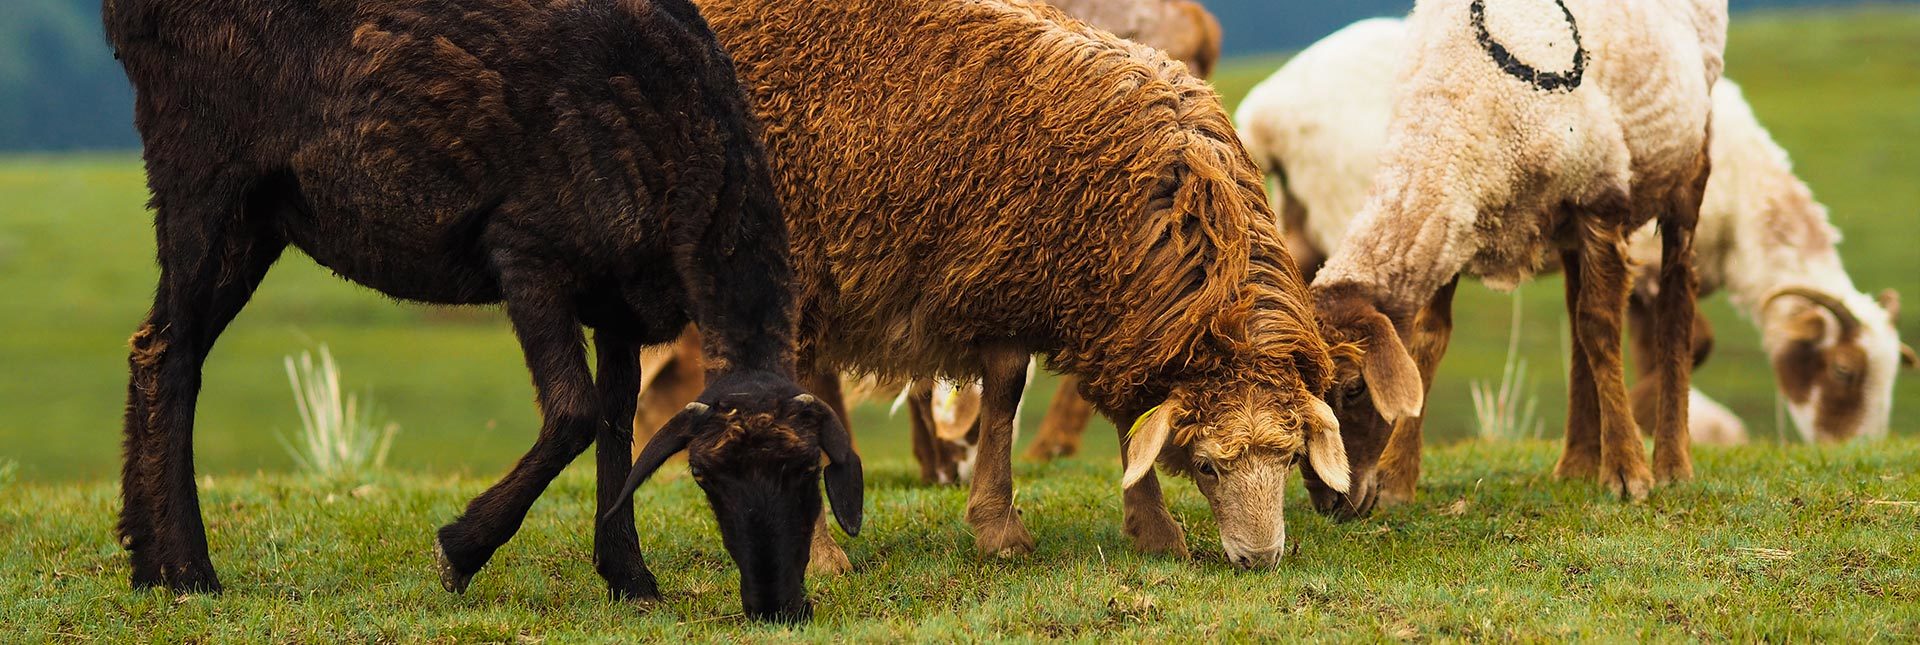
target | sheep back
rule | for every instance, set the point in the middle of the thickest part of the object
(965, 174)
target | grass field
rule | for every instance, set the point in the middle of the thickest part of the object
(1776, 541)
(1777, 544)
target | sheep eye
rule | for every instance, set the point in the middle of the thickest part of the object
(1205, 467)
(1354, 389)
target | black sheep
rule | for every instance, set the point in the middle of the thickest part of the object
(586, 163)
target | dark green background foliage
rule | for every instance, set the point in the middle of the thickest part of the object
(61, 90)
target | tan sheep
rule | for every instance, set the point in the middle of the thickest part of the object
(970, 183)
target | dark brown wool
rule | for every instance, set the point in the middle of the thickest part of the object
(586, 163)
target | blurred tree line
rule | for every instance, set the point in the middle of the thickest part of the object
(60, 88)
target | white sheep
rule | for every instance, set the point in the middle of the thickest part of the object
(1320, 123)
(1521, 130)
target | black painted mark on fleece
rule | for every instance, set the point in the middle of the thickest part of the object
(1545, 81)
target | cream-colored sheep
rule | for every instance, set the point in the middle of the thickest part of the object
(1320, 124)
(1521, 130)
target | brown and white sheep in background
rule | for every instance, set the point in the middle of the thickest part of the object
(586, 164)
(1521, 129)
(1181, 28)
(1320, 124)
(971, 183)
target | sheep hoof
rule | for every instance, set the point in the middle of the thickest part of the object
(1630, 484)
(1004, 539)
(828, 560)
(451, 578)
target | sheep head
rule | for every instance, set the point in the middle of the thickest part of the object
(754, 444)
(1835, 358)
(1375, 383)
(1239, 443)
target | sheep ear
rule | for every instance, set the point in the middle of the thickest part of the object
(1391, 375)
(845, 479)
(1326, 453)
(1144, 442)
(671, 439)
(1808, 327)
(1890, 301)
(1908, 358)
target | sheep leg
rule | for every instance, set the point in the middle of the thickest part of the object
(939, 459)
(1603, 294)
(1064, 424)
(555, 351)
(207, 275)
(1580, 459)
(616, 546)
(1400, 462)
(670, 380)
(990, 509)
(825, 555)
(1675, 348)
(1144, 517)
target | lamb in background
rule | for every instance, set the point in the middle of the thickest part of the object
(587, 163)
(1181, 28)
(1320, 124)
(1520, 130)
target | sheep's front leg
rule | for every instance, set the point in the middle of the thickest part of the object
(555, 350)
(996, 523)
(825, 557)
(1066, 421)
(616, 546)
(1144, 517)
(1400, 463)
(1602, 268)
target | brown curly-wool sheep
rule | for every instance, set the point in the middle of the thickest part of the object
(968, 183)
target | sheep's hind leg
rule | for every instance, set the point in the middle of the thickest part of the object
(1675, 315)
(990, 509)
(1603, 293)
(1066, 421)
(616, 546)
(1580, 459)
(555, 351)
(825, 557)
(208, 272)
(1400, 463)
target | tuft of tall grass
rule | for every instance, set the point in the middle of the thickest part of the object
(338, 435)
(1508, 410)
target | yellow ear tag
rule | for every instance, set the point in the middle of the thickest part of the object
(1142, 420)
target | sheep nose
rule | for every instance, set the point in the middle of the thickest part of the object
(1255, 558)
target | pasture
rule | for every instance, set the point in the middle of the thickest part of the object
(1776, 540)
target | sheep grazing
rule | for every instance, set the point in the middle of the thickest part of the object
(588, 163)
(1321, 123)
(1520, 131)
(1181, 28)
(970, 183)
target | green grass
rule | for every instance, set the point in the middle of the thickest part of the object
(1780, 544)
